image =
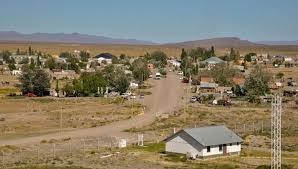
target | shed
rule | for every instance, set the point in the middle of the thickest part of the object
(204, 142)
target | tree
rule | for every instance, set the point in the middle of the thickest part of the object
(140, 70)
(6, 56)
(183, 53)
(247, 57)
(122, 56)
(90, 82)
(257, 83)
(24, 61)
(18, 51)
(12, 67)
(279, 75)
(159, 58)
(122, 83)
(26, 80)
(30, 51)
(84, 56)
(34, 81)
(57, 86)
(51, 63)
(41, 82)
(212, 51)
(38, 62)
(32, 64)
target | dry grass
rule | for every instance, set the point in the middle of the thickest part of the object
(138, 50)
(25, 116)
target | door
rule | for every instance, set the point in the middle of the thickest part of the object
(225, 149)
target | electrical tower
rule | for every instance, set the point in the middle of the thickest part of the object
(276, 132)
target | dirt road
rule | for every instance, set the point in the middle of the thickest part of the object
(166, 97)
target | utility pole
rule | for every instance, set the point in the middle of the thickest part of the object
(276, 132)
(61, 121)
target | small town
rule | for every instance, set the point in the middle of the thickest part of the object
(84, 101)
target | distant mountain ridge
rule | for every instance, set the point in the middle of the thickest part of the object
(278, 42)
(67, 38)
(225, 42)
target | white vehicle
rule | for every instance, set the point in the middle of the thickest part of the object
(157, 76)
(133, 96)
(180, 73)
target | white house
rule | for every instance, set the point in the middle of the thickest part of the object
(204, 142)
(104, 57)
(175, 63)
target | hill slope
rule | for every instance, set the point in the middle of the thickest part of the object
(66, 38)
(279, 42)
(226, 42)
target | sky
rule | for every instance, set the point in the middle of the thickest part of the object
(155, 20)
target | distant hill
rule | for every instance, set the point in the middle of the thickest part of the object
(226, 42)
(287, 43)
(67, 38)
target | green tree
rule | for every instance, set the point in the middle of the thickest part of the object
(18, 51)
(57, 86)
(159, 58)
(6, 56)
(212, 51)
(139, 70)
(84, 56)
(41, 82)
(30, 51)
(51, 63)
(122, 83)
(12, 67)
(279, 75)
(183, 54)
(24, 61)
(257, 83)
(32, 64)
(38, 62)
(26, 79)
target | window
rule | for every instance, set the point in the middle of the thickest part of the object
(208, 149)
(220, 147)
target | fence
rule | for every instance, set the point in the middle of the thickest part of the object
(79, 151)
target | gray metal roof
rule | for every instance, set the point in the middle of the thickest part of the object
(213, 135)
(213, 60)
(208, 85)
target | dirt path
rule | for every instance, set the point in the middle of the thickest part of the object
(166, 97)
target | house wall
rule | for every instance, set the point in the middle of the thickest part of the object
(234, 148)
(214, 150)
(179, 145)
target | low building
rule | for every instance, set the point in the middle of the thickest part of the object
(61, 74)
(206, 87)
(211, 62)
(19, 58)
(175, 63)
(206, 79)
(104, 57)
(204, 142)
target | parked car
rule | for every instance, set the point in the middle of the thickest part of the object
(185, 80)
(180, 73)
(193, 99)
(133, 96)
(30, 95)
(142, 96)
